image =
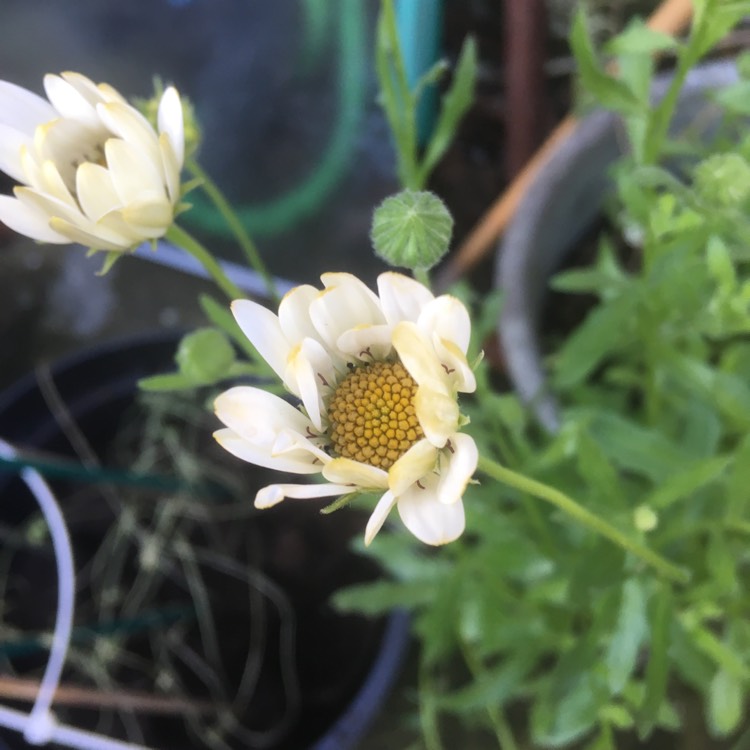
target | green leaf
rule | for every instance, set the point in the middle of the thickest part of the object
(606, 329)
(382, 596)
(573, 715)
(639, 39)
(722, 654)
(722, 564)
(639, 449)
(454, 105)
(682, 485)
(607, 90)
(396, 97)
(738, 497)
(725, 703)
(657, 669)
(495, 686)
(629, 634)
(173, 381)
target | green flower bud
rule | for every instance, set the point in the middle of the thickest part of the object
(204, 356)
(411, 230)
(723, 181)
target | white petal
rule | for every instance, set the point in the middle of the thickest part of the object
(379, 515)
(22, 109)
(294, 313)
(89, 90)
(438, 414)
(170, 121)
(29, 221)
(68, 100)
(237, 446)
(63, 219)
(456, 472)
(345, 301)
(419, 358)
(419, 460)
(170, 167)
(431, 521)
(263, 330)
(258, 416)
(133, 173)
(370, 343)
(275, 493)
(310, 375)
(401, 297)
(347, 471)
(448, 317)
(288, 441)
(11, 143)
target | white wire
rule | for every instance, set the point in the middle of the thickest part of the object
(40, 726)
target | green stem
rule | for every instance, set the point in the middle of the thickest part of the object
(189, 244)
(422, 275)
(582, 515)
(233, 221)
(427, 714)
(502, 729)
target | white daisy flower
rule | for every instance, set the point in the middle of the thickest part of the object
(93, 169)
(377, 377)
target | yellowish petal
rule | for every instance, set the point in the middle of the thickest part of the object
(418, 357)
(438, 415)
(419, 460)
(347, 471)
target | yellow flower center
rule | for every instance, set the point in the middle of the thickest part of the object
(372, 414)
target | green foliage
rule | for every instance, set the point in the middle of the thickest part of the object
(400, 102)
(530, 609)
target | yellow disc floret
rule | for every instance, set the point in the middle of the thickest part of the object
(372, 415)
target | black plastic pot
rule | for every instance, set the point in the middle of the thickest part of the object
(561, 205)
(345, 665)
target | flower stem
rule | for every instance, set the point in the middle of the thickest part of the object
(582, 515)
(233, 222)
(422, 275)
(189, 244)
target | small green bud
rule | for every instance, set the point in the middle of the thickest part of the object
(723, 181)
(204, 356)
(411, 230)
(645, 518)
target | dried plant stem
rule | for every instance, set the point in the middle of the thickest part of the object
(671, 17)
(21, 689)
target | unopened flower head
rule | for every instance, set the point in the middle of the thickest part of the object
(92, 169)
(377, 377)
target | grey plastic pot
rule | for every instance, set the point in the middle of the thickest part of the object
(562, 203)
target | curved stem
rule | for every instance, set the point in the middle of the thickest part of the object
(189, 244)
(582, 515)
(233, 221)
